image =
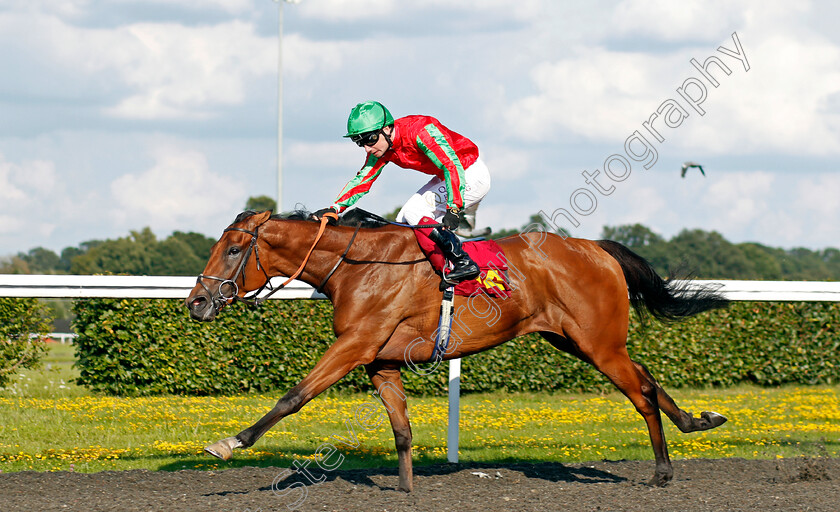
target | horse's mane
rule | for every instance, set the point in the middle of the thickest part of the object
(352, 217)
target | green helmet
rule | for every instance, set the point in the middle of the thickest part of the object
(368, 117)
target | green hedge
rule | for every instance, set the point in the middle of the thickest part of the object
(20, 318)
(129, 347)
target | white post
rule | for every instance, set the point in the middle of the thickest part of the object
(280, 105)
(454, 410)
(280, 100)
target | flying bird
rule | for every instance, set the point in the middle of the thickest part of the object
(686, 165)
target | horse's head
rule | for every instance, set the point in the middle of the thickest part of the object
(233, 270)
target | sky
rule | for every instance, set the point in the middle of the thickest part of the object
(116, 115)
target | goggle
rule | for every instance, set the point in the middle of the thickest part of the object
(366, 139)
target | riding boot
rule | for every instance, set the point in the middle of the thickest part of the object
(464, 268)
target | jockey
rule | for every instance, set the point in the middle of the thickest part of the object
(460, 180)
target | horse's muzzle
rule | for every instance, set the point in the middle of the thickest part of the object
(202, 308)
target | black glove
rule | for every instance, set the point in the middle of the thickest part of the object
(320, 213)
(451, 220)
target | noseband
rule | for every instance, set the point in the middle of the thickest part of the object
(222, 300)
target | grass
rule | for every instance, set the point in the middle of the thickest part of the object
(49, 424)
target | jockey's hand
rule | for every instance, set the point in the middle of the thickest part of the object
(451, 219)
(320, 213)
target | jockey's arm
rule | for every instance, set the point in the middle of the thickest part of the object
(435, 145)
(359, 185)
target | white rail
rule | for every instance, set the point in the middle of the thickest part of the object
(177, 287)
(778, 291)
(123, 287)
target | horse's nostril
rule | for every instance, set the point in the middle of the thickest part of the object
(197, 302)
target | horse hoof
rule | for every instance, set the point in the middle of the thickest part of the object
(712, 419)
(660, 479)
(223, 449)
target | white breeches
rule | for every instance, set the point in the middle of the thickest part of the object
(430, 200)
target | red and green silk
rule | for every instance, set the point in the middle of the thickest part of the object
(423, 144)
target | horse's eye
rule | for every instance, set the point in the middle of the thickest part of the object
(234, 251)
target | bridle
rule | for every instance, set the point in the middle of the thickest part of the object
(221, 300)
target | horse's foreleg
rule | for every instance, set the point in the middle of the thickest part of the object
(342, 357)
(682, 419)
(389, 386)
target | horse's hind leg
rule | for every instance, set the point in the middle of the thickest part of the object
(613, 361)
(390, 389)
(619, 368)
(682, 419)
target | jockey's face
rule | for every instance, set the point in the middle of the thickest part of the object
(381, 146)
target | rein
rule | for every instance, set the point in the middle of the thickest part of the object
(320, 288)
(221, 300)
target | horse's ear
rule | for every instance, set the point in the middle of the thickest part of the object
(260, 218)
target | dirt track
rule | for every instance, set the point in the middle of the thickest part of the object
(728, 484)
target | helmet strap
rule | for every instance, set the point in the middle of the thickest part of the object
(388, 137)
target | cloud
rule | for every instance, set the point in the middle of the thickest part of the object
(819, 194)
(229, 6)
(507, 163)
(815, 206)
(178, 191)
(25, 183)
(597, 93)
(178, 71)
(9, 191)
(73, 10)
(306, 58)
(675, 22)
(25, 189)
(738, 199)
(323, 154)
(787, 102)
(159, 71)
(347, 10)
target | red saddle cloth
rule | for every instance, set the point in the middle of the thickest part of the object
(490, 258)
(494, 270)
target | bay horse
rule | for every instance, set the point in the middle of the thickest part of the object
(576, 293)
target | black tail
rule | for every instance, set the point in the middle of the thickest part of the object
(650, 294)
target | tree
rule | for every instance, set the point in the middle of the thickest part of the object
(646, 243)
(41, 260)
(831, 257)
(764, 260)
(14, 265)
(198, 243)
(180, 254)
(632, 235)
(710, 255)
(802, 263)
(535, 219)
(132, 255)
(261, 204)
(67, 255)
(173, 257)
